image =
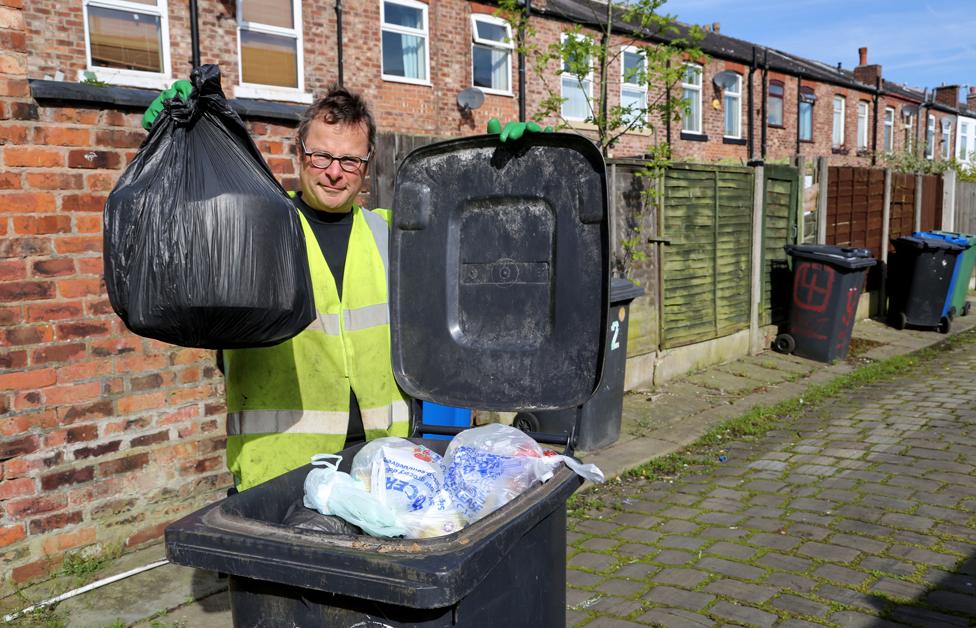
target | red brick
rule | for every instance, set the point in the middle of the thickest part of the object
(123, 465)
(148, 534)
(68, 540)
(18, 447)
(54, 181)
(16, 88)
(197, 393)
(113, 508)
(9, 181)
(13, 270)
(90, 265)
(83, 370)
(25, 247)
(115, 346)
(83, 330)
(11, 534)
(55, 522)
(100, 182)
(189, 375)
(54, 267)
(83, 202)
(82, 433)
(97, 451)
(10, 133)
(20, 487)
(87, 117)
(58, 353)
(137, 403)
(94, 159)
(191, 356)
(150, 439)
(79, 244)
(139, 362)
(72, 393)
(23, 111)
(62, 136)
(85, 223)
(53, 481)
(119, 138)
(41, 225)
(28, 379)
(27, 202)
(26, 290)
(196, 467)
(13, 360)
(28, 400)
(97, 410)
(147, 382)
(27, 506)
(73, 288)
(33, 570)
(32, 157)
(54, 311)
(29, 335)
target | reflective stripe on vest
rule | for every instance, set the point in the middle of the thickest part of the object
(311, 421)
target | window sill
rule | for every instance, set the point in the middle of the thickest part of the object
(775, 126)
(694, 137)
(62, 92)
(738, 141)
(407, 81)
(863, 152)
(267, 92)
(128, 78)
(840, 150)
(803, 141)
(495, 92)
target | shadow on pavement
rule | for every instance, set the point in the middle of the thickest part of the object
(948, 601)
(205, 586)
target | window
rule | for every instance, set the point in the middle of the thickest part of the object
(691, 94)
(909, 117)
(889, 129)
(965, 146)
(930, 137)
(633, 85)
(404, 41)
(837, 139)
(491, 54)
(774, 103)
(577, 92)
(732, 106)
(862, 125)
(946, 138)
(807, 100)
(270, 47)
(127, 42)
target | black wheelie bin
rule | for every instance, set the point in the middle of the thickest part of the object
(919, 280)
(827, 284)
(499, 295)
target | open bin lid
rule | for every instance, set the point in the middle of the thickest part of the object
(952, 238)
(499, 272)
(926, 244)
(851, 258)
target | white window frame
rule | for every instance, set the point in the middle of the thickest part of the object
(804, 90)
(738, 109)
(588, 79)
(120, 76)
(508, 46)
(273, 92)
(889, 126)
(863, 113)
(963, 131)
(909, 128)
(930, 137)
(695, 88)
(843, 113)
(642, 87)
(425, 33)
(946, 133)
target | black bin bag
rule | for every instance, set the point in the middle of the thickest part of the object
(203, 247)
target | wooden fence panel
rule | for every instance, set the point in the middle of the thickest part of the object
(902, 220)
(931, 202)
(708, 217)
(390, 150)
(855, 207)
(966, 206)
(780, 208)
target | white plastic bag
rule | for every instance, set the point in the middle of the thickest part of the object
(332, 492)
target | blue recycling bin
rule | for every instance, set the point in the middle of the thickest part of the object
(437, 414)
(949, 310)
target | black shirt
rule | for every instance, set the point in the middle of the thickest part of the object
(332, 232)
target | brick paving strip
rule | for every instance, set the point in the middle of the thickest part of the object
(861, 511)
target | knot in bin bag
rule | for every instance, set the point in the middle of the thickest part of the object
(203, 247)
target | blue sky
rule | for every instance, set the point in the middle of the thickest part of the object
(918, 43)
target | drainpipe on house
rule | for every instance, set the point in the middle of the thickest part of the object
(874, 132)
(194, 35)
(765, 88)
(752, 108)
(338, 10)
(521, 62)
(667, 108)
(799, 84)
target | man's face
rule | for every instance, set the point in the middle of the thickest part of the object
(333, 189)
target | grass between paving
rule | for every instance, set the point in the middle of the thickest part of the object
(709, 449)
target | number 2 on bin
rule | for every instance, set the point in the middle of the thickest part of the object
(615, 328)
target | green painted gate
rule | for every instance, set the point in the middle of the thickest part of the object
(781, 203)
(707, 217)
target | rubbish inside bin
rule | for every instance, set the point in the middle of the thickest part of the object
(406, 489)
(298, 516)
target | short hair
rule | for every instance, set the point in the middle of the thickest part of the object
(339, 106)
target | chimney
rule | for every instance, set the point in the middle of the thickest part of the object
(947, 95)
(867, 74)
(716, 27)
(971, 99)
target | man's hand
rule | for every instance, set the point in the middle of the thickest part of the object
(515, 130)
(181, 89)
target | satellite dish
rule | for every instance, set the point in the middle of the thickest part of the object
(470, 99)
(725, 80)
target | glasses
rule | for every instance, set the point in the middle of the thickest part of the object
(322, 159)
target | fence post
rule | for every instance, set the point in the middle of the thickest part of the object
(919, 190)
(758, 198)
(613, 211)
(822, 172)
(801, 170)
(886, 214)
(949, 200)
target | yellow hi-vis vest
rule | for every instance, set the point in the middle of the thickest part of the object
(290, 401)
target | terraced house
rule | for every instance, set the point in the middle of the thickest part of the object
(106, 437)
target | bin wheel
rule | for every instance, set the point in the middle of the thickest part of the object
(784, 343)
(966, 308)
(900, 321)
(952, 312)
(945, 325)
(526, 421)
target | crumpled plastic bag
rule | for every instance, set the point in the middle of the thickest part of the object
(409, 479)
(332, 492)
(488, 466)
(304, 518)
(202, 246)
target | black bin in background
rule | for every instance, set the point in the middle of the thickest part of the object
(499, 298)
(827, 284)
(601, 415)
(919, 279)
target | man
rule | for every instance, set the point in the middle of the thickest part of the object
(332, 385)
